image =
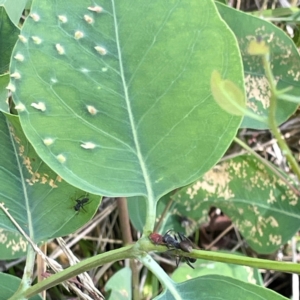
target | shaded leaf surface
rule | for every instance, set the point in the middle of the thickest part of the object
(135, 115)
(4, 80)
(263, 207)
(8, 35)
(284, 58)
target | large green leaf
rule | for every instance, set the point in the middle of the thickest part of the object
(213, 287)
(263, 207)
(38, 199)
(120, 96)
(284, 59)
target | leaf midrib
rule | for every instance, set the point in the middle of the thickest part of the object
(139, 155)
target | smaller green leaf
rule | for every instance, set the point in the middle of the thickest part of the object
(230, 98)
(9, 285)
(212, 287)
(120, 285)
(227, 95)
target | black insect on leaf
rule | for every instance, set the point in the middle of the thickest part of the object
(81, 203)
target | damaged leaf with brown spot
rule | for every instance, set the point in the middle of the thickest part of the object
(263, 207)
(284, 60)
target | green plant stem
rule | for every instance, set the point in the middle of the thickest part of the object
(229, 258)
(139, 251)
(290, 98)
(135, 279)
(272, 118)
(83, 266)
(267, 164)
(28, 270)
(245, 261)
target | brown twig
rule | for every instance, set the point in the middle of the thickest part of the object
(127, 239)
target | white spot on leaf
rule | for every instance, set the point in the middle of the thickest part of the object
(19, 57)
(88, 19)
(11, 87)
(63, 18)
(20, 107)
(88, 145)
(35, 17)
(22, 38)
(91, 109)
(15, 75)
(78, 35)
(96, 8)
(48, 141)
(40, 106)
(101, 50)
(60, 49)
(61, 158)
(36, 40)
